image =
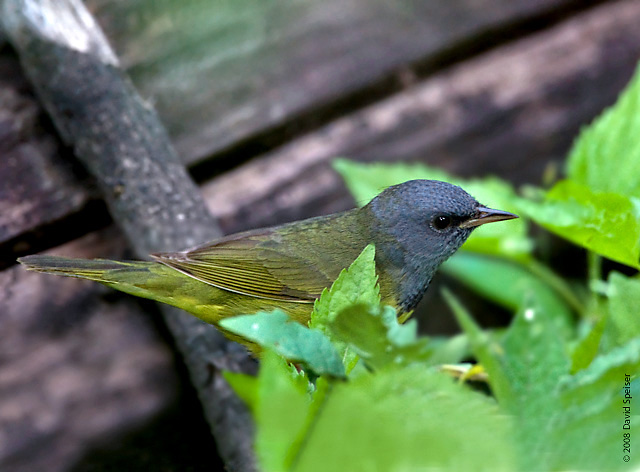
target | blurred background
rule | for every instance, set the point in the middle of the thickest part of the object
(259, 97)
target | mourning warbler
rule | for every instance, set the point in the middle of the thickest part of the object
(415, 227)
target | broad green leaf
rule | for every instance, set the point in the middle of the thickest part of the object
(289, 339)
(587, 349)
(376, 336)
(588, 432)
(623, 300)
(535, 355)
(592, 442)
(564, 422)
(365, 181)
(486, 349)
(524, 371)
(534, 361)
(507, 283)
(245, 386)
(405, 420)
(449, 350)
(598, 207)
(606, 223)
(592, 388)
(356, 285)
(281, 413)
(606, 155)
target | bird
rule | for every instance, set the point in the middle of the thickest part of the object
(415, 226)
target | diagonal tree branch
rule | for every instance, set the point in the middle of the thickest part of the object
(121, 141)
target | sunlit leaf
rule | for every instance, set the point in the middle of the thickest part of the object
(588, 432)
(407, 419)
(588, 347)
(606, 155)
(281, 412)
(289, 339)
(356, 285)
(623, 303)
(376, 336)
(245, 386)
(606, 223)
(524, 371)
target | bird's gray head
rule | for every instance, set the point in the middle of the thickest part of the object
(421, 223)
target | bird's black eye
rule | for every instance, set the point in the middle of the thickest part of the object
(441, 222)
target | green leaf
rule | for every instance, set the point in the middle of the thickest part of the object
(356, 285)
(588, 432)
(450, 349)
(486, 349)
(376, 336)
(289, 339)
(365, 181)
(587, 349)
(598, 207)
(524, 371)
(591, 388)
(507, 283)
(591, 442)
(245, 386)
(606, 223)
(534, 360)
(564, 422)
(623, 322)
(281, 413)
(403, 420)
(606, 156)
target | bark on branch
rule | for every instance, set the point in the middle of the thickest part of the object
(120, 140)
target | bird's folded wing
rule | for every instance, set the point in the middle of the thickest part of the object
(254, 265)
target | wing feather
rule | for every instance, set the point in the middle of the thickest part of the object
(256, 263)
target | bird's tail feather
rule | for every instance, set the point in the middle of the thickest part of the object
(150, 280)
(99, 270)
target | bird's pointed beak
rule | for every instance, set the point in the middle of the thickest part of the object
(487, 215)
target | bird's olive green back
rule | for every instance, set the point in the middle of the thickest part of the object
(281, 263)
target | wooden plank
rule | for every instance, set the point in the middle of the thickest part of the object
(509, 112)
(39, 183)
(220, 72)
(76, 366)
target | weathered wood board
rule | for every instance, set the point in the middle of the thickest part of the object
(39, 183)
(69, 351)
(509, 112)
(219, 72)
(75, 367)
